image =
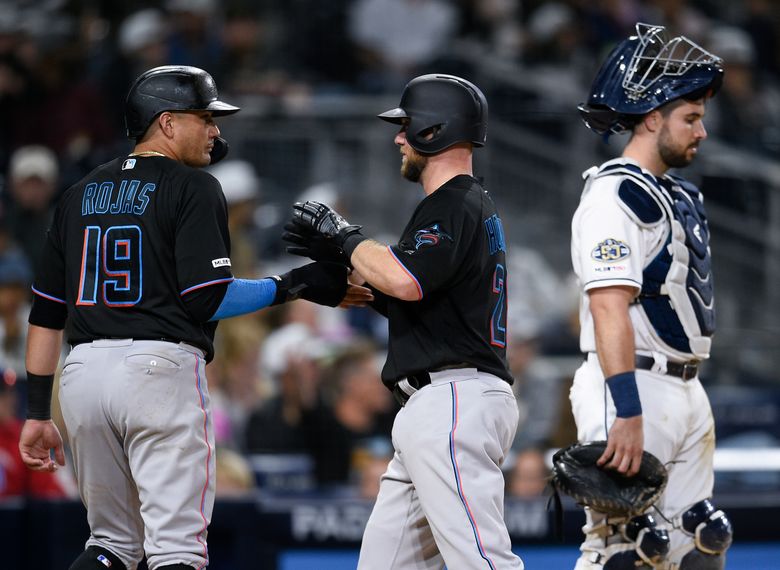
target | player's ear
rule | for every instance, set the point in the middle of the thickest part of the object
(165, 121)
(653, 120)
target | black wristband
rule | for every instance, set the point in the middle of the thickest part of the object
(39, 396)
(351, 242)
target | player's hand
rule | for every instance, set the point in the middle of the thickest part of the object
(357, 296)
(321, 282)
(625, 443)
(37, 440)
(309, 243)
(323, 220)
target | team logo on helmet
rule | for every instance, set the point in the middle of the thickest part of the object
(429, 236)
(610, 250)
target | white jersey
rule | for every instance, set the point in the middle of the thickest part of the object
(650, 234)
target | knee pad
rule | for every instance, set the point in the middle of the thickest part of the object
(650, 545)
(96, 558)
(710, 528)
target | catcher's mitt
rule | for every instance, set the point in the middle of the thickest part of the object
(576, 474)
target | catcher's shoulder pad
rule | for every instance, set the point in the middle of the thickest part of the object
(639, 202)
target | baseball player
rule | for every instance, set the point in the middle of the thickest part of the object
(443, 289)
(640, 250)
(137, 267)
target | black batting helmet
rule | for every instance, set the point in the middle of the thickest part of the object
(171, 88)
(452, 109)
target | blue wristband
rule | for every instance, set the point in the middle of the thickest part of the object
(625, 394)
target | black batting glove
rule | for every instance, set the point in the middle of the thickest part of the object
(321, 282)
(327, 222)
(308, 243)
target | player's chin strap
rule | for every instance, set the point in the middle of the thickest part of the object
(219, 150)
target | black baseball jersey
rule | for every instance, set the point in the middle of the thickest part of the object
(128, 242)
(454, 249)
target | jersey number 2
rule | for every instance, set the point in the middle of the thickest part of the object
(498, 318)
(113, 258)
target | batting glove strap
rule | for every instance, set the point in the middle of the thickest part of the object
(351, 239)
(39, 389)
(625, 394)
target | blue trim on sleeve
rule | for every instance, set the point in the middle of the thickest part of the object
(245, 296)
(206, 284)
(45, 296)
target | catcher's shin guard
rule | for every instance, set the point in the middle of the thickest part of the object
(710, 528)
(712, 535)
(96, 558)
(651, 545)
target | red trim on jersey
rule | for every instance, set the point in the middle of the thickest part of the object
(45, 296)
(206, 284)
(208, 463)
(409, 273)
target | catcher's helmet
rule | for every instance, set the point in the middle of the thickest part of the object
(451, 108)
(645, 72)
(170, 88)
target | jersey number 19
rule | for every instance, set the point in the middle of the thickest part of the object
(111, 257)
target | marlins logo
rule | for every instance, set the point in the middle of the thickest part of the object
(429, 236)
(610, 250)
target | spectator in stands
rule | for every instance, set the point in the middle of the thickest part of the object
(15, 281)
(235, 379)
(234, 475)
(60, 108)
(33, 182)
(493, 24)
(354, 407)
(326, 60)
(746, 112)
(399, 39)
(290, 358)
(241, 187)
(196, 37)
(370, 462)
(538, 384)
(254, 59)
(15, 479)
(528, 475)
(140, 44)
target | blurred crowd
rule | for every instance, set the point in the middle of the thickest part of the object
(298, 402)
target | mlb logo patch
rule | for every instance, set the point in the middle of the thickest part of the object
(128, 164)
(105, 561)
(221, 262)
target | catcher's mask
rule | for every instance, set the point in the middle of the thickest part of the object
(441, 110)
(645, 72)
(171, 88)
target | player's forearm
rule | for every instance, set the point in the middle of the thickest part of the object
(613, 331)
(379, 268)
(43, 350)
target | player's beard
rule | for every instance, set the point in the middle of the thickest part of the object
(413, 165)
(671, 152)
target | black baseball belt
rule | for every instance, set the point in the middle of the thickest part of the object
(684, 370)
(405, 387)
